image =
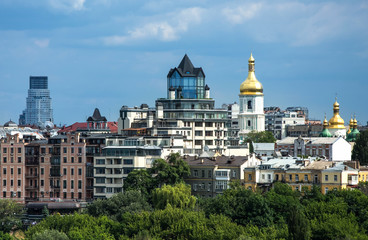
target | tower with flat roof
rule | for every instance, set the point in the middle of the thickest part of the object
(38, 108)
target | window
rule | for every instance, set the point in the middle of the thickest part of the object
(203, 174)
(100, 180)
(198, 142)
(128, 161)
(4, 183)
(64, 195)
(19, 159)
(326, 177)
(209, 124)
(79, 195)
(195, 173)
(79, 150)
(100, 170)
(197, 124)
(209, 173)
(248, 123)
(198, 133)
(326, 190)
(65, 150)
(79, 171)
(11, 183)
(72, 195)
(296, 177)
(65, 160)
(306, 177)
(209, 133)
(79, 184)
(19, 150)
(4, 171)
(64, 171)
(19, 171)
(42, 159)
(335, 178)
(4, 150)
(100, 161)
(72, 171)
(11, 171)
(209, 142)
(4, 159)
(263, 176)
(234, 173)
(80, 159)
(64, 184)
(127, 170)
(42, 183)
(72, 184)
(4, 194)
(249, 104)
(72, 159)
(290, 177)
(72, 150)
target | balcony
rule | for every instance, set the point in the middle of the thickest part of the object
(31, 175)
(31, 187)
(55, 187)
(31, 199)
(32, 162)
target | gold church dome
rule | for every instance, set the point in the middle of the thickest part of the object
(336, 121)
(251, 86)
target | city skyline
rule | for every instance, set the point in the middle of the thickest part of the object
(107, 54)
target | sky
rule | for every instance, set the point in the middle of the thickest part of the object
(110, 53)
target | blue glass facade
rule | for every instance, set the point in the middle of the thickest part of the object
(187, 81)
(192, 87)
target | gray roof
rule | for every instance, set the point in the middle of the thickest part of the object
(235, 161)
(264, 146)
(308, 140)
(186, 69)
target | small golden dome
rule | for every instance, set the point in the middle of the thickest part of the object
(336, 121)
(325, 123)
(355, 123)
(251, 86)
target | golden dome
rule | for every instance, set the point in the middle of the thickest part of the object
(351, 125)
(336, 121)
(325, 123)
(251, 86)
(355, 122)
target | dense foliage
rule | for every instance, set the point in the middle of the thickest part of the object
(360, 150)
(10, 215)
(162, 207)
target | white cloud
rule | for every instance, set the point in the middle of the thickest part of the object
(67, 5)
(168, 30)
(239, 14)
(42, 43)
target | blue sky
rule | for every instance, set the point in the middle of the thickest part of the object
(109, 53)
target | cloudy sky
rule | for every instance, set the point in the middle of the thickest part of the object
(109, 53)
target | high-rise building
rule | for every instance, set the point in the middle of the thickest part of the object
(38, 108)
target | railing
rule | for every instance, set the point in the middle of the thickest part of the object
(31, 187)
(31, 175)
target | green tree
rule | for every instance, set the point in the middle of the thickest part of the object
(178, 195)
(242, 206)
(260, 137)
(140, 180)
(360, 150)
(10, 215)
(114, 207)
(49, 234)
(5, 236)
(171, 171)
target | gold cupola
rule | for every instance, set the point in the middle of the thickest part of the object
(351, 125)
(336, 121)
(251, 86)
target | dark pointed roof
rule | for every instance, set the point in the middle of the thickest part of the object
(96, 116)
(206, 87)
(186, 69)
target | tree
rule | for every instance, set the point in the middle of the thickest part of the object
(140, 180)
(360, 150)
(171, 171)
(49, 234)
(260, 137)
(114, 207)
(178, 195)
(10, 215)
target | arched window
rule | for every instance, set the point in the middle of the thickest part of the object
(248, 123)
(249, 104)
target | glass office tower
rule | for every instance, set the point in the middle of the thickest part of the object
(38, 102)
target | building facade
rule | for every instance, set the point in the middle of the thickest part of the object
(38, 108)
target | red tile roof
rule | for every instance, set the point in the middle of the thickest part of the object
(113, 126)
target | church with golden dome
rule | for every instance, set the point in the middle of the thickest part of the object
(335, 125)
(251, 114)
